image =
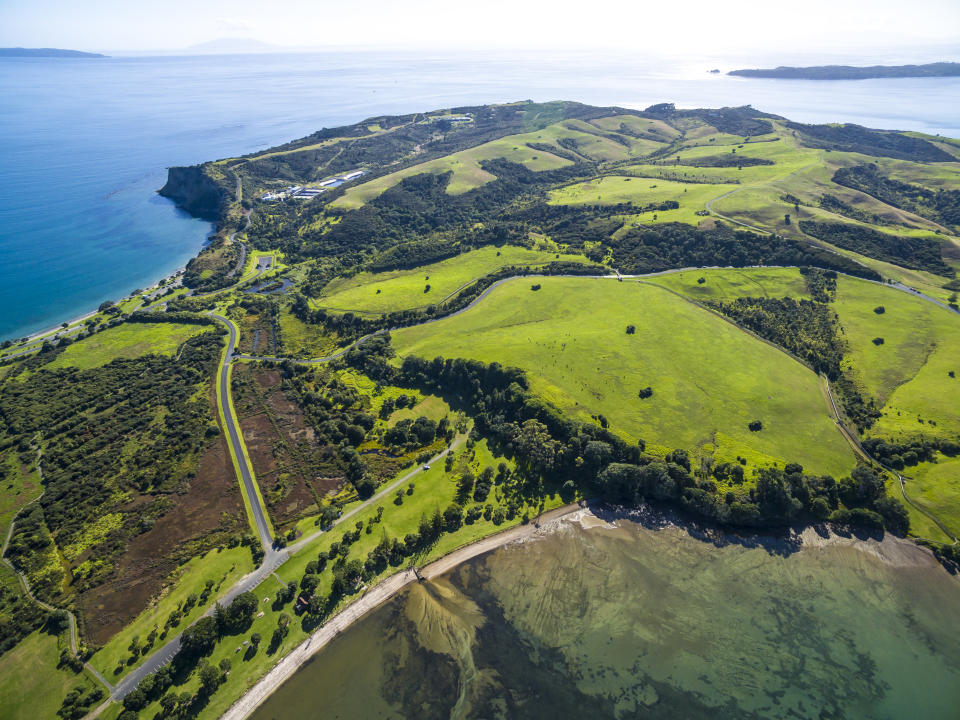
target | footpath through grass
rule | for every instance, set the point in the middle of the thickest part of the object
(710, 380)
(406, 289)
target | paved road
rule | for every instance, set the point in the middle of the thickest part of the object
(236, 443)
(165, 654)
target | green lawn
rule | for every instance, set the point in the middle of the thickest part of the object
(709, 379)
(223, 567)
(130, 340)
(729, 284)
(33, 687)
(404, 289)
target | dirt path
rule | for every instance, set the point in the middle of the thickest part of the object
(71, 618)
(373, 598)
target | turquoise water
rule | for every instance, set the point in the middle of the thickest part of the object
(85, 143)
(624, 620)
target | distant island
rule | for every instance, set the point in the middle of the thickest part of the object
(850, 72)
(47, 52)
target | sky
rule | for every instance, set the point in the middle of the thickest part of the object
(726, 27)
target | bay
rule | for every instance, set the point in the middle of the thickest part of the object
(620, 618)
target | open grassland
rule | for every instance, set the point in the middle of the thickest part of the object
(613, 189)
(130, 340)
(909, 372)
(597, 141)
(33, 686)
(465, 166)
(936, 487)
(726, 284)
(709, 379)
(222, 567)
(404, 289)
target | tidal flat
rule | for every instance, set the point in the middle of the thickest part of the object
(629, 617)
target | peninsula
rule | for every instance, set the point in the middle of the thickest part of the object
(415, 332)
(850, 72)
(47, 53)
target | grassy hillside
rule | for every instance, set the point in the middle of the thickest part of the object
(908, 373)
(709, 379)
(729, 284)
(405, 289)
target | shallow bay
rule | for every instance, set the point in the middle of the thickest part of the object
(627, 619)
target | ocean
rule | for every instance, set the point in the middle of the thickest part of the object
(86, 143)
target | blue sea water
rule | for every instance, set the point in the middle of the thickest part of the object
(84, 144)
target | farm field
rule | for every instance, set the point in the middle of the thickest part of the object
(726, 284)
(709, 379)
(909, 372)
(936, 488)
(404, 289)
(613, 189)
(130, 340)
(465, 166)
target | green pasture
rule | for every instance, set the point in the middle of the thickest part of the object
(909, 371)
(465, 166)
(613, 189)
(223, 567)
(709, 379)
(130, 340)
(936, 488)
(33, 686)
(657, 128)
(729, 284)
(404, 289)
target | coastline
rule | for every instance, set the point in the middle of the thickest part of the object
(32, 338)
(376, 596)
(891, 550)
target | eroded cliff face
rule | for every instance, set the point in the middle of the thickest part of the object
(194, 191)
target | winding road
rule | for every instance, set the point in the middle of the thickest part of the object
(273, 557)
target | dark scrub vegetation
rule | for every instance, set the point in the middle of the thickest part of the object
(912, 252)
(119, 442)
(942, 205)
